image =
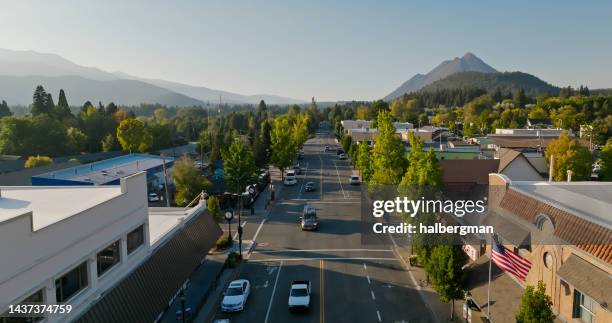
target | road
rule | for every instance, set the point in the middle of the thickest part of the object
(351, 282)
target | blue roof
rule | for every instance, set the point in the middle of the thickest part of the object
(103, 172)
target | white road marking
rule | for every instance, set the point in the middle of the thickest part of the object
(368, 277)
(373, 297)
(280, 266)
(303, 179)
(365, 266)
(339, 181)
(378, 314)
(258, 229)
(323, 258)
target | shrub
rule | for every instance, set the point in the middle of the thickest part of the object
(37, 161)
(233, 259)
(224, 242)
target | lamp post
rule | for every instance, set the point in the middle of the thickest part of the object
(229, 215)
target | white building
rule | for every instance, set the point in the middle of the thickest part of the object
(70, 245)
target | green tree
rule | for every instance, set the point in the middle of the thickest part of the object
(109, 143)
(520, 99)
(535, 306)
(444, 268)
(188, 181)
(213, 208)
(76, 140)
(133, 135)
(606, 161)
(40, 101)
(364, 160)
(388, 159)
(568, 154)
(300, 129)
(283, 147)
(239, 166)
(346, 142)
(4, 110)
(62, 110)
(37, 161)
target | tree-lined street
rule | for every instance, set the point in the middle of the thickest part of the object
(350, 281)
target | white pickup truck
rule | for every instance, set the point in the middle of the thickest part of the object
(299, 295)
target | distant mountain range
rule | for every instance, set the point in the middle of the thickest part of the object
(469, 62)
(506, 82)
(22, 71)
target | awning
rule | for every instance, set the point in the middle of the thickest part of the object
(508, 230)
(587, 279)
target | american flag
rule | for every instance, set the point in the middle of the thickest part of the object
(509, 261)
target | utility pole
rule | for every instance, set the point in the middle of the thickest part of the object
(165, 180)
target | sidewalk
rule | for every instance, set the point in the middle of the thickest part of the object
(209, 301)
(440, 311)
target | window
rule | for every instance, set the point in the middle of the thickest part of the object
(36, 298)
(135, 239)
(108, 257)
(71, 283)
(584, 307)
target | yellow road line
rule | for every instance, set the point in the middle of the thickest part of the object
(322, 292)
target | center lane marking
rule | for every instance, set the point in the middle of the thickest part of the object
(323, 258)
(322, 291)
(280, 266)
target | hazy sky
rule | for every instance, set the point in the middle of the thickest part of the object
(332, 50)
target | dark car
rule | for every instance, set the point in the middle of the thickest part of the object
(309, 187)
(339, 151)
(309, 220)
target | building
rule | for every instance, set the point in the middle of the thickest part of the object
(347, 125)
(524, 139)
(109, 171)
(565, 231)
(465, 174)
(83, 245)
(517, 166)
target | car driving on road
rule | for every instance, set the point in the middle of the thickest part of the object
(290, 178)
(236, 295)
(309, 187)
(354, 180)
(309, 220)
(299, 295)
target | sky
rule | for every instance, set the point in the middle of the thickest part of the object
(332, 50)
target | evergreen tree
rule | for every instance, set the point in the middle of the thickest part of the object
(606, 161)
(4, 110)
(535, 306)
(388, 159)
(520, 99)
(40, 101)
(62, 110)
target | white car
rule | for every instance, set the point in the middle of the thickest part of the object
(342, 156)
(236, 295)
(299, 295)
(290, 178)
(354, 180)
(153, 197)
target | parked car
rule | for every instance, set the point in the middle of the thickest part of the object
(339, 151)
(309, 187)
(309, 220)
(236, 295)
(299, 295)
(342, 156)
(354, 180)
(153, 197)
(290, 178)
(327, 148)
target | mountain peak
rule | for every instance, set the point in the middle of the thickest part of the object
(468, 63)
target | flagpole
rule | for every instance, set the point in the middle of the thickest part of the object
(489, 286)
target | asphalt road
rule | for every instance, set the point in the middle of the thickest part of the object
(351, 282)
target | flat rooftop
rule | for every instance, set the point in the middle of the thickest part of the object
(51, 204)
(108, 170)
(591, 201)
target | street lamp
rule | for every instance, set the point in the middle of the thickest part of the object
(229, 215)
